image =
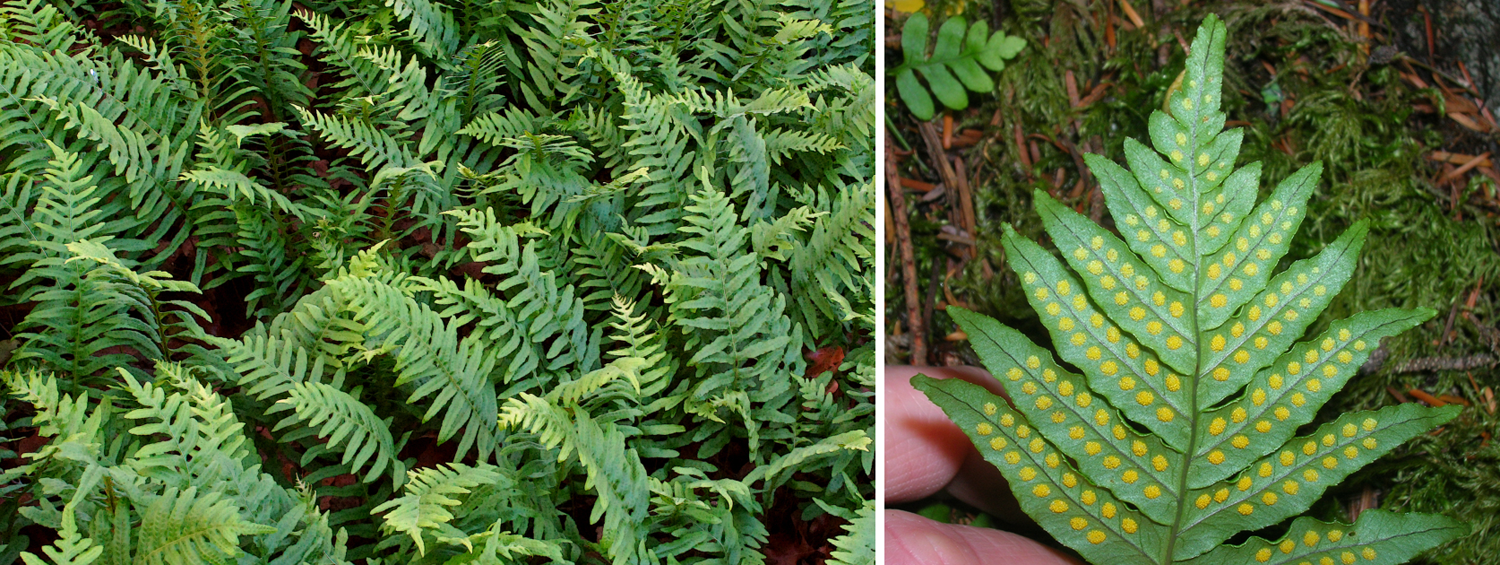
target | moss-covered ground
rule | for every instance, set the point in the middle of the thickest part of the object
(1394, 125)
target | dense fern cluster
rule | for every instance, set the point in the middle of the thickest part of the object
(521, 281)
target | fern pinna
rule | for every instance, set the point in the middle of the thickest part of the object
(1172, 417)
(428, 281)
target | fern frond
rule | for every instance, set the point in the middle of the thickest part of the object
(431, 357)
(429, 494)
(1177, 431)
(431, 25)
(184, 526)
(346, 422)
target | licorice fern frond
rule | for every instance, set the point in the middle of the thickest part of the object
(431, 358)
(184, 526)
(347, 423)
(1187, 424)
(429, 494)
(432, 25)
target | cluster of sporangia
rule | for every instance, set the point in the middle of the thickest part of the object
(1176, 431)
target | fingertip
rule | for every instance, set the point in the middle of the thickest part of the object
(913, 540)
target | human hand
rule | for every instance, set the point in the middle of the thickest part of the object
(925, 453)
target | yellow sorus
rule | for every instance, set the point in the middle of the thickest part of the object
(1108, 510)
(1245, 509)
(1152, 492)
(1078, 523)
(1310, 476)
(1159, 463)
(1369, 424)
(1028, 473)
(1202, 501)
(1263, 426)
(1221, 495)
(1128, 525)
(1216, 457)
(1096, 537)
(1216, 427)
(1041, 491)
(1088, 497)
(1173, 383)
(1130, 477)
(1111, 462)
(984, 428)
(1239, 441)
(1164, 414)
(1058, 507)
(1091, 448)
(997, 443)
(1263, 555)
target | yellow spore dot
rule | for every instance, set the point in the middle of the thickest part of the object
(1214, 272)
(1033, 362)
(1269, 499)
(1243, 484)
(1159, 463)
(1221, 495)
(1028, 387)
(1153, 327)
(1144, 398)
(1221, 374)
(1238, 415)
(1058, 507)
(1258, 397)
(1345, 357)
(1263, 426)
(1096, 320)
(1078, 523)
(1368, 553)
(1012, 457)
(1310, 448)
(1028, 474)
(1076, 432)
(1041, 294)
(1330, 371)
(1037, 445)
(1216, 457)
(1164, 414)
(1329, 440)
(1314, 385)
(1064, 288)
(1029, 277)
(1096, 242)
(1092, 448)
(1043, 403)
(984, 428)
(1254, 313)
(1369, 424)
(1282, 413)
(1065, 388)
(1216, 427)
(1138, 447)
(1023, 431)
(1218, 301)
(1100, 417)
(1351, 452)
(1152, 492)
(1107, 282)
(1310, 539)
(1128, 525)
(1275, 381)
(1202, 501)
(1108, 368)
(1241, 357)
(1007, 420)
(1293, 368)
(1347, 558)
(1349, 430)
(1289, 487)
(1065, 324)
(1174, 384)
(1130, 477)
(1287, 546)
(1127, 383)
(1335, 535)
(997, 443)
(1041, 491)
(1245, 509)
(1096, 537)
(1108, 510)
(1263, 555)
(1330, 462)
(1176, 265)
(989, 409)
(1079, 338)
(1251, 269)
(1261, 342)
(1137, 313)
(1286, 458)
(1174, 342)
(1014, 374)
(1310, 476)
(1069, 480)
(1181, 139)
(1265, 470)
(1235, 284)
(1179, 238)
(1359, 345)
(1239, 441)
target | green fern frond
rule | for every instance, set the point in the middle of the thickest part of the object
(429, 494)
(346, 422)
(430, 357)
(1182, 427)
(431, 24)
(186, 527)
(857, 545)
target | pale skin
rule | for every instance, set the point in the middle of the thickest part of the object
(925, 453)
